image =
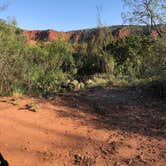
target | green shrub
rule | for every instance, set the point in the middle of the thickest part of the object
(46, 69)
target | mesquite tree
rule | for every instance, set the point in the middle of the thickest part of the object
(146, 12)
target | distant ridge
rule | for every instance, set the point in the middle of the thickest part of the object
(78, 36)
(75, 36)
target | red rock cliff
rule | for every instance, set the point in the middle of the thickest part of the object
(35, 36)
(45, 35)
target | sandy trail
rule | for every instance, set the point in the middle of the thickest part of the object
(67, 132)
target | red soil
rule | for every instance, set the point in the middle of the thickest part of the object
(103, 127)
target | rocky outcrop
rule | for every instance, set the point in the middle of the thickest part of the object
(154, 34)
(35, 36)
(120, 33)
(45, 35)
(78, 36)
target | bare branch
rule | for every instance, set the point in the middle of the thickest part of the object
(148, 12)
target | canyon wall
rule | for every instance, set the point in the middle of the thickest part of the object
(78, 36)
(35, 36)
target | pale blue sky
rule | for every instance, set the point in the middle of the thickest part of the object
(63, 15)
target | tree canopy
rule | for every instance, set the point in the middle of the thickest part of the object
(146, 12)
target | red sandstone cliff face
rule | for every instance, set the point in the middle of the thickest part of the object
(35, 36)
(120, 33)
(75, 36)
(154, 34)
(46, 35)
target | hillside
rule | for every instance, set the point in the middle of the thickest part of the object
(84, 35)
(34, 36)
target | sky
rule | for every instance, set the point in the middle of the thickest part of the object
(62, 15)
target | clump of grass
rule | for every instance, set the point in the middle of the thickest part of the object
(17, 92)
(33, 106)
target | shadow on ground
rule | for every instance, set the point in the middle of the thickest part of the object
(117, 108)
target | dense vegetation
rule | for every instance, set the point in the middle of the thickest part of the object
(45, 69)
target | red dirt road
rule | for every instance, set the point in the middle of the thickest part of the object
(67, 131)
